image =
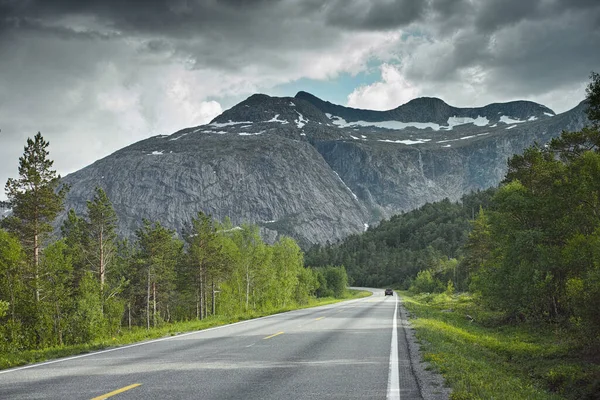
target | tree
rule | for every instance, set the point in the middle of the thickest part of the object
(36, 200)
(13, 292)
(201, 237)
(254, 257)
(225, 256)
(11, 281)
(102, 231)
(287, 260)
(74, 232)
(593, 98)
(158, 254)
(477, 248)
(56, 304)
(88, 322)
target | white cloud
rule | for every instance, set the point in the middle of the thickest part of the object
(392, 91)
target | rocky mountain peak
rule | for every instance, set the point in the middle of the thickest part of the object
(432, 111)
(260, 108)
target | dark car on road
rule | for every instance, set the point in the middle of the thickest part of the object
(389, 292)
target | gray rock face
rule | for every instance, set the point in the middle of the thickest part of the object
(313, 170)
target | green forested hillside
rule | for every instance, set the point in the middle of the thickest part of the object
(395, 250)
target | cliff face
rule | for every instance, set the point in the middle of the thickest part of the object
(313, 170)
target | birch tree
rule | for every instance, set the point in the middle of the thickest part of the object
(102, 232)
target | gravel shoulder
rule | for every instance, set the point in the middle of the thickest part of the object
(431, 383)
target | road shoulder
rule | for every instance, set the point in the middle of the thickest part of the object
(431, 383)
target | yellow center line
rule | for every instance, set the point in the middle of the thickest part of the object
(316, 319)
(276, 334)
(114, 392)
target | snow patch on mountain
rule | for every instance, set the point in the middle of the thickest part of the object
(455, 121)
(250, 133)
(275, 119)
(463, 138)
(472, 136)
(393, 125)
(301, 121)
(230, 123)
(509, 120)
(397, 125)
(407, 141)
(180, 136)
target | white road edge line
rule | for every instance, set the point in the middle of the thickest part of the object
(6, 371)
(393, 392)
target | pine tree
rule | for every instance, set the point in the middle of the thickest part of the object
(74, 231)
(36, 200)
(593, 98)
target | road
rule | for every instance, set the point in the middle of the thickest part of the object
(351, 350)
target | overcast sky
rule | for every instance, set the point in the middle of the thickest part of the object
(94, 76)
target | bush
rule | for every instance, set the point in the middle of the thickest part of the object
(332, 281)
(426, 283)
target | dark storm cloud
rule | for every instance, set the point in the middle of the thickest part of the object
(180, 18)
(449, 8)
(374, 15)
(174, 18)
(494, 14)
(231, 34)
(514, 48)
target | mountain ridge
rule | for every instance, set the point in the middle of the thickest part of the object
(413, 110)
(295, 169)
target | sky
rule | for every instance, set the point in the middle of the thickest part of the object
(94, 76)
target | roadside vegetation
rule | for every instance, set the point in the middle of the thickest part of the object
(88, 288)
(483, 357)
(526, 263)
(139, 334)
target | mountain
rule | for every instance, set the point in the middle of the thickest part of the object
(316, 171)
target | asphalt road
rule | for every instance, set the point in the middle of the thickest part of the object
(351, 350)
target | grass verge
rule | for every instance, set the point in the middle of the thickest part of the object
(482, 358)
(137, 334)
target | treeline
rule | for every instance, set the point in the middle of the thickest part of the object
(397, 249)
(89, 283)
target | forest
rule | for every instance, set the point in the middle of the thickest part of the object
(82, 282)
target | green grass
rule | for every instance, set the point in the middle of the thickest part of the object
(137, 334)
(483, 358)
